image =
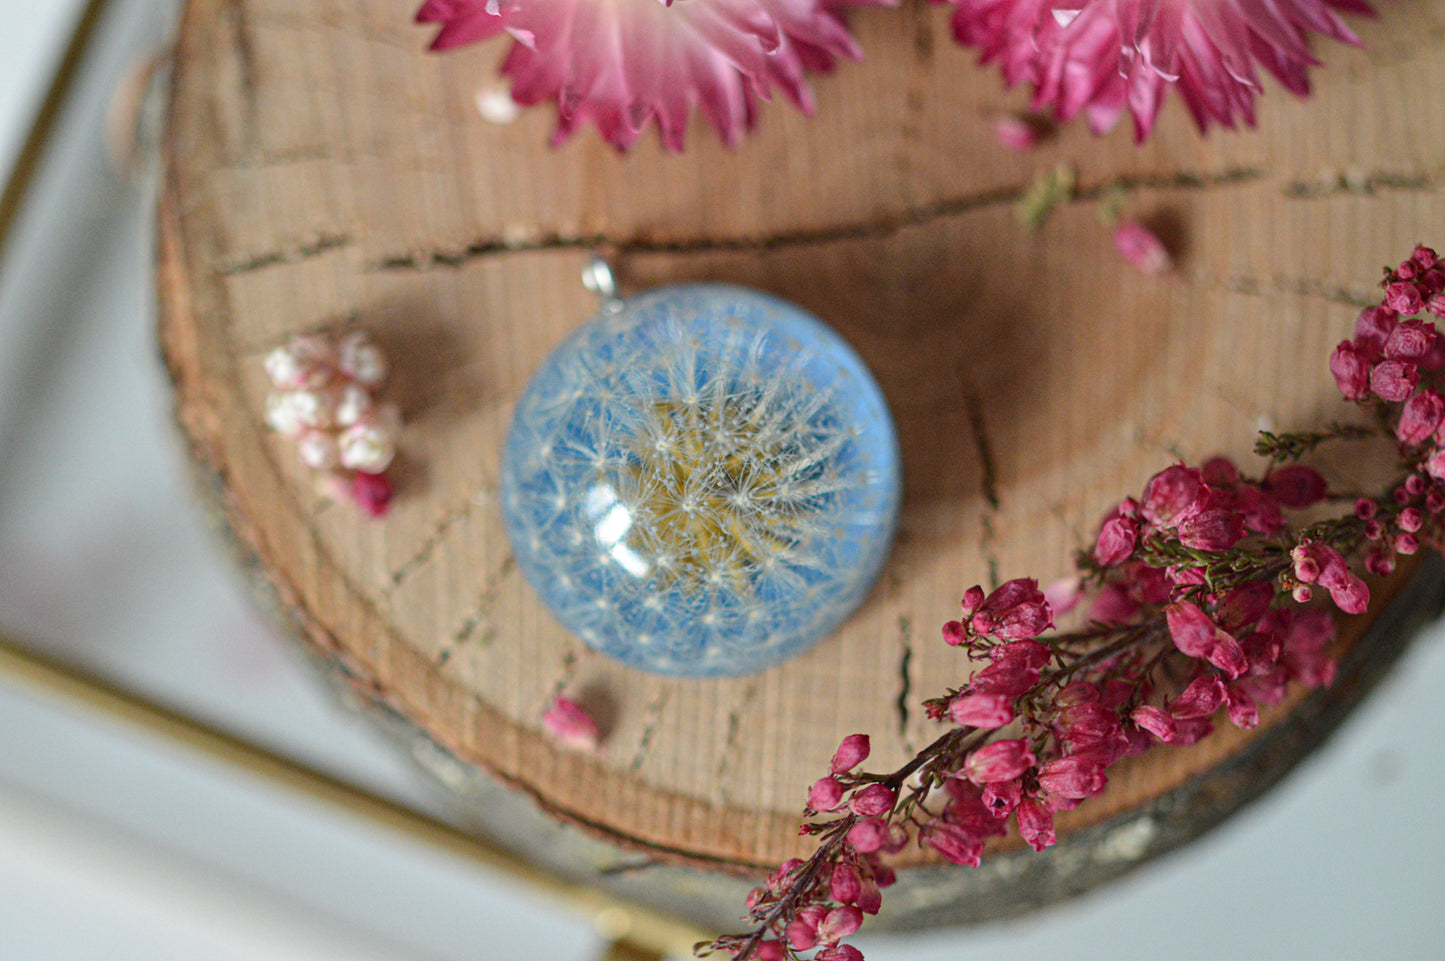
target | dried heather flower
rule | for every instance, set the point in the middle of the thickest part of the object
(1141, 248)
(571, 726)
(623, 64)
(1102, 58)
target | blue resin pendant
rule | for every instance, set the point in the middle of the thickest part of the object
(701, 481)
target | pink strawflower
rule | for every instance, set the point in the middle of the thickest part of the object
(622, 64)
(1141, 248)
(869, 835)
(571, 725)
(1103, 57)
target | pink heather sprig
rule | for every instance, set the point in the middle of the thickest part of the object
(1197, 590)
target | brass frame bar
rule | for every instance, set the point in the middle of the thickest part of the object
(634, 931)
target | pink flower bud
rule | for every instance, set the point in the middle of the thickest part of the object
(1365, 509)
(1351, 369)
(1244, 605)
(955, 634)
(1172, 494)
(1394, 380)
(983, 711)
(1009, 678)
(868, 835)
(1079, 776)
(1424, 257)
(1116, 541)
(1410, 520)
(1415, 485)
(973, 599)
(953, 842)
(1141, 248)
(1016, 133)
(1420, 417)
(1018, 609)
(825, 794)
(1242, 711)
(1192, 630)
(1302, 594)
(800, 935)
(873, 801)
(1402, 297)
(839, 923)
(1156, 721)
(1212, 529)
(839, 952)
(769, 951)
(1001, 797)
(852, 751)
(1372, 330)
(1380, 564)
(1404, 544)
(1296, 486)
(1411, 340)
(570, 724)
(844, 884)
(372, 493)
(999, 761)
(1201, 698)
(1036, 824)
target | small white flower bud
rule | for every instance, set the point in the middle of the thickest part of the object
(360, 359)
(318, 449)
(316, 408)
(281, 414)
(353, 404)
(366, 448)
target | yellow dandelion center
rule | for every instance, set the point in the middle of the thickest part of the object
(715, 490)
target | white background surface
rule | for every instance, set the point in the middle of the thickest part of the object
(113, 847)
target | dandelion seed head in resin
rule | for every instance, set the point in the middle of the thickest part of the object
(703, 481)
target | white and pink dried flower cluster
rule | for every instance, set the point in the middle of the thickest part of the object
(324, 400)
(625, 64)
(1196, 592)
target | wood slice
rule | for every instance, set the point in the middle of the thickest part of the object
(321, 170)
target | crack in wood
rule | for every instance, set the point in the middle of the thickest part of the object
(905, 680)
(1300, 287)
(1360, 183)
(275, 258)
(649, 729)
(973, 404)
(862, 230)
(730, 742)
(479, 614)
(428, 547)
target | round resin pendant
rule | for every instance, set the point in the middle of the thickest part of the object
(701, 481)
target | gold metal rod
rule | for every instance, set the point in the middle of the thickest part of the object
(635, 931)
(27, 162)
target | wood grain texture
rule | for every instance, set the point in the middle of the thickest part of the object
(321, 170)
